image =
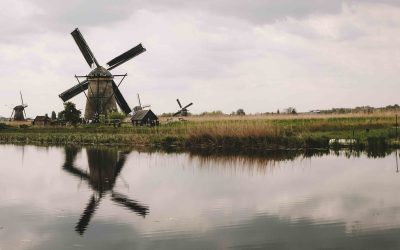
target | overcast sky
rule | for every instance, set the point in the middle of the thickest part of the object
(219, 54)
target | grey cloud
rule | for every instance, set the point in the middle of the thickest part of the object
(61, 15)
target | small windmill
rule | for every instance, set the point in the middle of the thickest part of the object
(18, 113)
(183, 110)
(103, 93)
(104, 168)
(140, 107)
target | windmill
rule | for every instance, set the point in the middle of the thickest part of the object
(103, 93)
(183, 110)
(140, 107)
(18, 113)
(104, 168)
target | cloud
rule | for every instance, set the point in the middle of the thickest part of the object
(260, 55)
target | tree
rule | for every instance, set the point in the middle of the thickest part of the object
(53, 115)
(240, 112)
(115, 115)
(212, 113)
(291, 110)
(70, 113)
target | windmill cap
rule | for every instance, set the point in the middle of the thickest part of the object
(100, 72)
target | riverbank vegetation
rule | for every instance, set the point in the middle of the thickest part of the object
(229, 132)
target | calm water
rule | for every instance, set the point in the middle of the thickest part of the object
(109, 198)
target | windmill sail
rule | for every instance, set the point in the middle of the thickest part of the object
(187, 106)
(130, 204)
(120, 99)
(137, 50)
(87, 215)
(140, 104)
(22, 100)
(79, 88)
(179, 103)
(84, 48)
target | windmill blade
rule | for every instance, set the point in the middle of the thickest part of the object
(12, 113)
(179, 103)
(70, 156)
(84, 48)
(87, 215)
(146, 106)
(120, 99)
(25, 113)
(135, 51)
(132, 205)
(22, 100)
(138, 97)
(76, 172)
(190, 104)
(177, 113)
(80, 87)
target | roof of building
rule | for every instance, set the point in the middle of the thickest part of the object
(140, 114)
(42, 118)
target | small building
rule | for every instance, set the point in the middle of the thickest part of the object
(144, 118)
(42, 120)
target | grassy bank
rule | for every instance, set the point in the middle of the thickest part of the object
(246, 133)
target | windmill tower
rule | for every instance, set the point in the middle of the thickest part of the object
(103, 94)
(18, 113)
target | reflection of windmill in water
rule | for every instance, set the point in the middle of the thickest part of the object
(18, 113)
(104, 168)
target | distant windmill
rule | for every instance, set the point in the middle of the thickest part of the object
(140, 107)
(103, 94)
(183, 110)
(18, 113)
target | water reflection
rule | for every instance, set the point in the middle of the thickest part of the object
(198, 200)
(105, 166)
(263, 162)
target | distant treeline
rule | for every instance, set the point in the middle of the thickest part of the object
(292, 110)
(362, 109)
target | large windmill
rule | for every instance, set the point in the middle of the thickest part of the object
(102, 94)
(183, 111)
(104, 168)
(18, 113)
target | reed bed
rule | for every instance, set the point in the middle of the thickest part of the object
(247, 133)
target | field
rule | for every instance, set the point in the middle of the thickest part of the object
(267, 132)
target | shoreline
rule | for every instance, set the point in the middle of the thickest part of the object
(299, 133)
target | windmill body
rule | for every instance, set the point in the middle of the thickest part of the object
(140, 107)
(18, 113)
(100, 97)
(183, 111)
(103, 94)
